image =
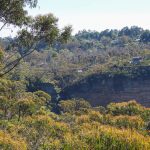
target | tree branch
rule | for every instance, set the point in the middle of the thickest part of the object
(3, 26)
(14, 64)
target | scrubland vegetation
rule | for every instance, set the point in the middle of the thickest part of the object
(28, 123)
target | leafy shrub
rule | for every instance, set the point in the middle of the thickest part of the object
(128, 122)
(8, 143)
(73, 105)
(125, 108)
(105, 137)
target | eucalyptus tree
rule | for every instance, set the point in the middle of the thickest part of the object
(13, 12)
(33, 30)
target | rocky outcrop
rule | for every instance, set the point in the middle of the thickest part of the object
(120, 84)
(101, 89)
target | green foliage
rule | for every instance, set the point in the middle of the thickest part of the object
(130, 108)
(26, 120)
(41, 28)
(9, 143)
(131, 122)
(43, 95)
(26, 123)
(65, 35)
(125, 108)
(73, 105)
(15, 102)
(106, 137)
(145, 37)
(34, 30)
(25, 107)
(12, 12)
(1, 54)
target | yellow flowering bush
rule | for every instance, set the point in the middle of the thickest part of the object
(9, 143)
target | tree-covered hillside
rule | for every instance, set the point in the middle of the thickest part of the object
(85, 53)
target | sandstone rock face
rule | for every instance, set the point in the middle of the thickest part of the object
(103, 89)
(46, 87)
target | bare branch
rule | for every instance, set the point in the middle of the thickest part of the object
(3, 26)
(13, 64)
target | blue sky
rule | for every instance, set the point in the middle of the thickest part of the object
(96, 14)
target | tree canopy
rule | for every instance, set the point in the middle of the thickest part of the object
(13, 11)
(34, 29)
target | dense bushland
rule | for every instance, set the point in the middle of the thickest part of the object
(26, 122)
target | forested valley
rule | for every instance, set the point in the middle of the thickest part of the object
(40, 118)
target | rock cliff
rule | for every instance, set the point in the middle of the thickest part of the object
(101, 89)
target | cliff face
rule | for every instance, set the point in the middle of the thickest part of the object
(103, 89)
(46, 87)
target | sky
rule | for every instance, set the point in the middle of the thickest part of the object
(94, 14)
